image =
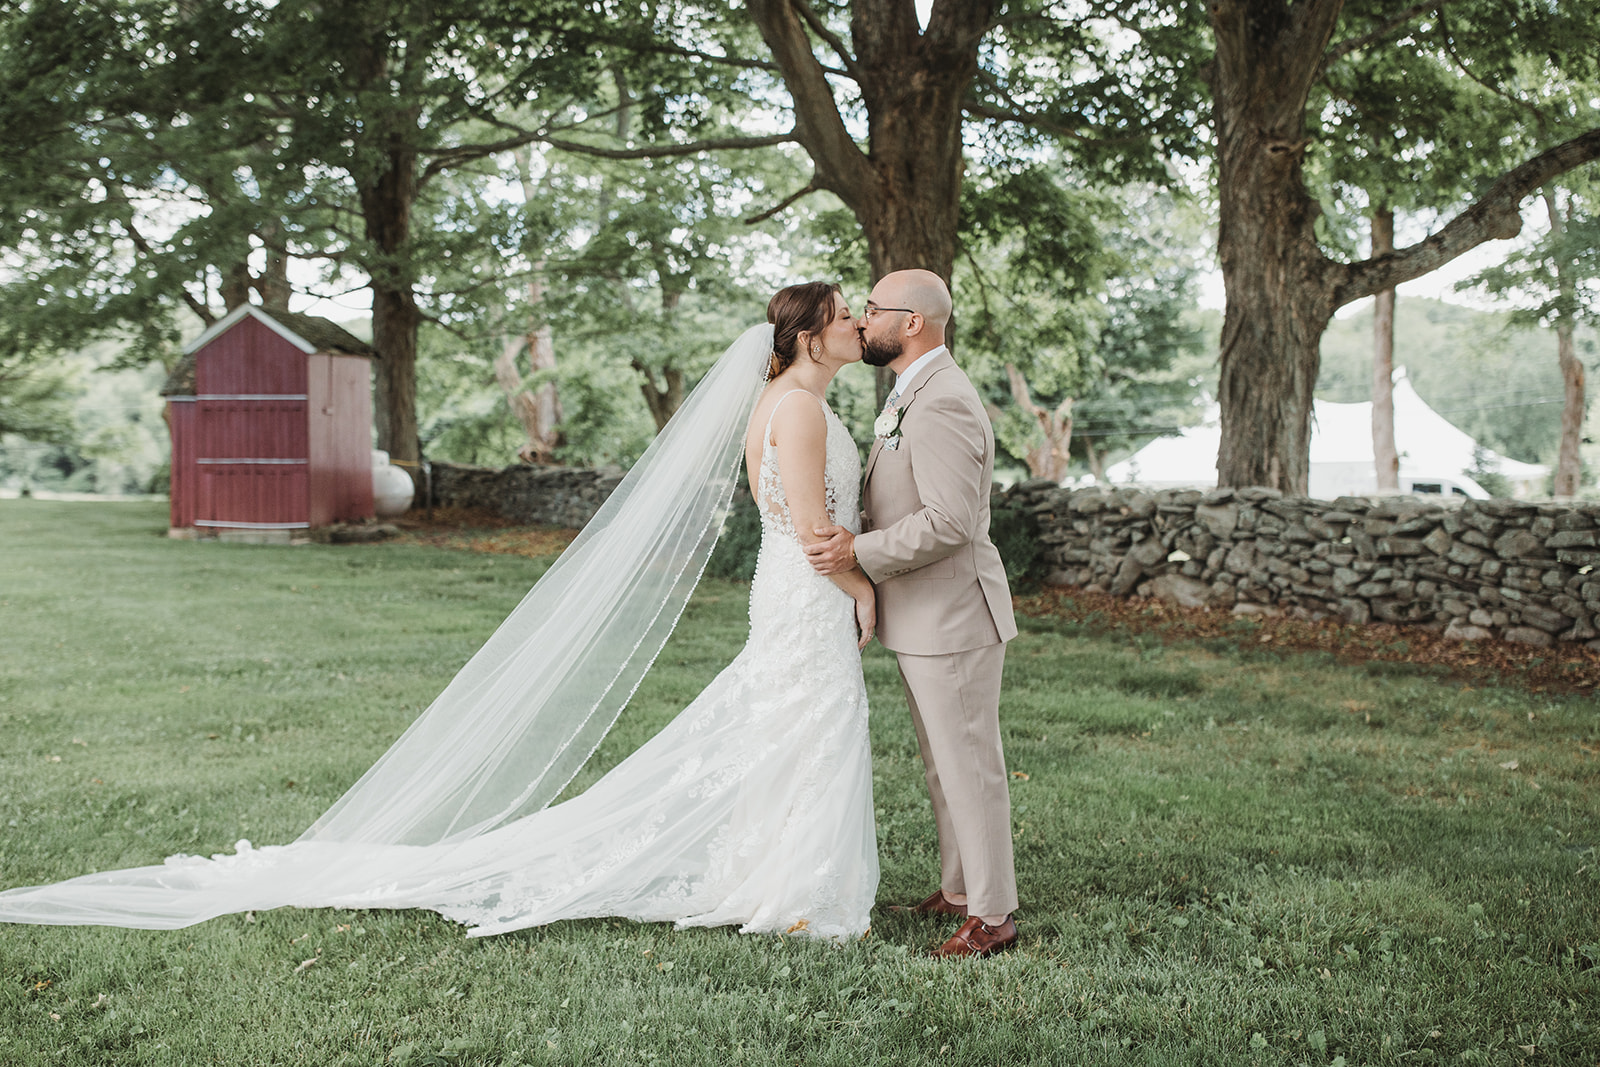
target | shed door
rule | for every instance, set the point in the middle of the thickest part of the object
(252, 462)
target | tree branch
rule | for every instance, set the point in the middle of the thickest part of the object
(1394, 22)
(687, 148)
(810, 187)
(1042, 124)
(143, 247)
(1493, 216)
(455, 157)
(840, 164)
(1019, 391)
(818, 27)
(731, 61)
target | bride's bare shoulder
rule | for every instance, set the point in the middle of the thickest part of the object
(786, 418)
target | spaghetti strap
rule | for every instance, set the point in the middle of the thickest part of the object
(766, 437)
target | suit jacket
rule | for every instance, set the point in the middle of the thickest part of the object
(925, 523)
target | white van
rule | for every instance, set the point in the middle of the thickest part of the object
(1330, 480)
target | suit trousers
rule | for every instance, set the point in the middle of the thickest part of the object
(955, 705)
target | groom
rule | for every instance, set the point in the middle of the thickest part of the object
(943, 604)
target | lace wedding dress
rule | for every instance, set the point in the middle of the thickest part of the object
(752, 807)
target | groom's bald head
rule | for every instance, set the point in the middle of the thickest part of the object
(921, 290)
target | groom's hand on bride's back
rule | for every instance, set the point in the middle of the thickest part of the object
(834, 553)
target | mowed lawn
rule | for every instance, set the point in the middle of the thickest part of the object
(1226, 855)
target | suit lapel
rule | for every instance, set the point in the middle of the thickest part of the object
(872, 458)
(927, 375)
(944, 360)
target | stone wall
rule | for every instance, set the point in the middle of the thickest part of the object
(1474, 568)
(548, 496)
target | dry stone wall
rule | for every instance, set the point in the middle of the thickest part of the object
(548, 496)
(1475, 569)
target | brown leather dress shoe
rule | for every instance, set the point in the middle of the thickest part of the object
(934, 905)
(978, 938)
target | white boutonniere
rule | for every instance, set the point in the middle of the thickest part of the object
(887, 426)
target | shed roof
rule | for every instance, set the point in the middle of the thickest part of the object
(309, 333)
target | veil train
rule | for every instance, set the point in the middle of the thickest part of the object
(515, 724)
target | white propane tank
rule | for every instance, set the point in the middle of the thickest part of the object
(392, 488)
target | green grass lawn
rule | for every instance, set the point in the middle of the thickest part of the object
(1226, 855)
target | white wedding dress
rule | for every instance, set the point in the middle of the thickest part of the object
(752, 807)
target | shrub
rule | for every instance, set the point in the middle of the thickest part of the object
(1015, 532)
(734, 557)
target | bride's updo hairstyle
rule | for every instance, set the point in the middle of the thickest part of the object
(797, 309)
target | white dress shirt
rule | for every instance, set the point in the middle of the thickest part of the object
(907, 376)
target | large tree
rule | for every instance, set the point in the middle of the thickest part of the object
(893, 113)
(1282, 286)
(133, 198)
(1401, 130)
(1557, 283)
(175, 153)
(391, 95)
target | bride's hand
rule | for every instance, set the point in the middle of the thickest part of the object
(866, 617)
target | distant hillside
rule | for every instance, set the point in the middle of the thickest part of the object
(1500, 385)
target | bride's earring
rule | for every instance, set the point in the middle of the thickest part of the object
(816, 350)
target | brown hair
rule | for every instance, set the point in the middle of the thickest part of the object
(793, 310)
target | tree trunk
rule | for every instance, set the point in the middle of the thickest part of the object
(1277, 300)
(905, 189)
(1574, 406)
(662, 400)
(395, 318)
(524, 405)
(235, 289)
(541, 419)
(1385, 457)
(545, 434)
(538, 410)
(385, 173)
(1097, 461)
(386, 203)
(1281, 290)
(273, 286)
(1048, 459)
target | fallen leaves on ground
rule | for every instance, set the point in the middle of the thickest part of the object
(1565, 667)
(481, 530)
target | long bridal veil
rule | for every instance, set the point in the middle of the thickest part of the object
(525, 713)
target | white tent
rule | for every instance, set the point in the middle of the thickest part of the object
(1434, 454)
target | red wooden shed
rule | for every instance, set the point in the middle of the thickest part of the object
(271, 420)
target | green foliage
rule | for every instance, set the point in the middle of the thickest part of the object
(1055, 282)
(98, 428)
(734, 558)
(1015, 534)
(648, 267)
(1557, 277)
(1494, 380)
(1429, 112)
(1155, 355)
(1033, 266)
(1333, 858)
(1485, 471)
(34, 403)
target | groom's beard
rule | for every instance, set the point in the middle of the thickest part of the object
(881, 353)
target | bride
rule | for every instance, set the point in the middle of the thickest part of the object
(752, 807)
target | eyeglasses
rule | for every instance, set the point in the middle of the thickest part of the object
(872, 309)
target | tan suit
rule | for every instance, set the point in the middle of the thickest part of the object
(945, 609)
